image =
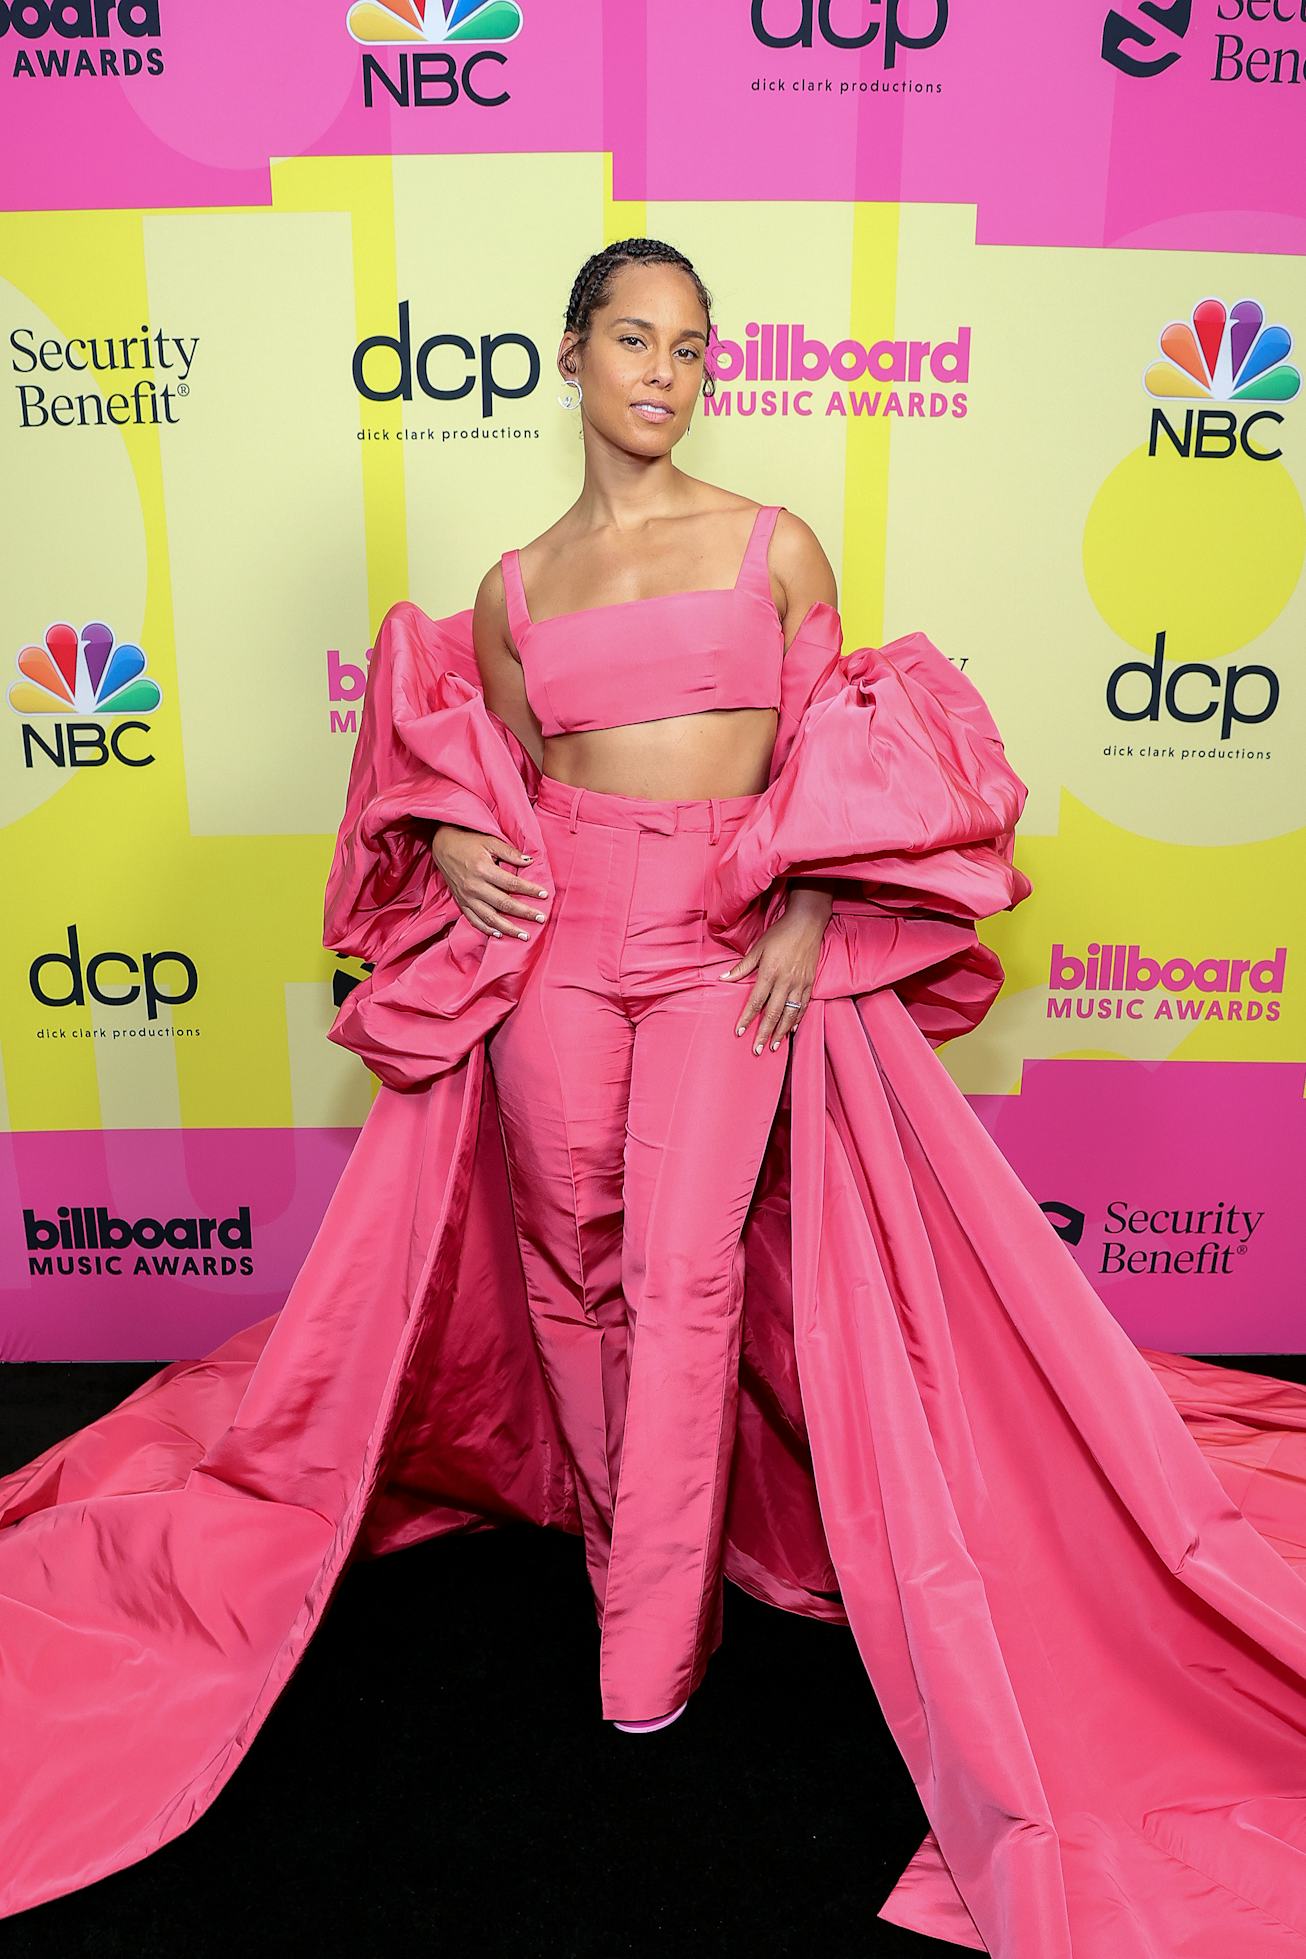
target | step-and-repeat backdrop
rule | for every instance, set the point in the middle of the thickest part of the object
(1005, 301)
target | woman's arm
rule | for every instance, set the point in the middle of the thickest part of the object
(785, 956)
(805, 575)
(502, 682)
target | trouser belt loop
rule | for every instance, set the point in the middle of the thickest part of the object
(574, 811)
(714, 820)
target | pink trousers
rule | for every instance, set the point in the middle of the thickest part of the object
(635, 1122)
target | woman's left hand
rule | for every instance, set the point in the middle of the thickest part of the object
(784, 957)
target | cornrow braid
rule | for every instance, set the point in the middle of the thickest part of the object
(592, 287)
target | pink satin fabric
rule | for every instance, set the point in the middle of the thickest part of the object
(676, 653)
(1073, 1568)
(635, 1122)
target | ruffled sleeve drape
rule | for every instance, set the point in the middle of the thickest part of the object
(890, 777)
(429, 751)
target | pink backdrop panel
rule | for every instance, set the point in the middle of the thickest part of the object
(1201, 154)
(1143, 1139)
(116, 1310)
(247, 82)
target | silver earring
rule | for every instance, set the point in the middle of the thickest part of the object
(565, 401)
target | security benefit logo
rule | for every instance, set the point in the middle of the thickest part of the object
(433, 60)
(1179, 1239)
(1144, 39)
(1158, 1240)
(135, 379)
(81, 699)
(58, 38)
(91, 1240)
(1131, 43)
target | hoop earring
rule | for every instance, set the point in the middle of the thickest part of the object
(565, 401)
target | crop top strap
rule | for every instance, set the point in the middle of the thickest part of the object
(514, 592)
(753, 573)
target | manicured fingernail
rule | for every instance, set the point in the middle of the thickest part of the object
(774, 1046)
(523, 935)
(757, 1049)
(494, 934)
(739, 1030)
(539, 918)
(526, 860)
(540, 892)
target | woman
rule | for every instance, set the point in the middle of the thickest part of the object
(587, 1227)
(644, 672)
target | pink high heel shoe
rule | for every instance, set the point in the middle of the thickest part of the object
(647, 1727)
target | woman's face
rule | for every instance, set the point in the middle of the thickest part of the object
(644, 355)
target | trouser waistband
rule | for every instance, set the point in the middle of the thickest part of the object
(710, 813)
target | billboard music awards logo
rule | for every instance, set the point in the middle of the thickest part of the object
(768, 372)
(346, 685)
(90, 1240)
(427, 40)
(70, 678)
(1112, 982)
(53, 36)
(1131, 43)
(149, 400)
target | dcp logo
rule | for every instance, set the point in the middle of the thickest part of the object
(386, 367)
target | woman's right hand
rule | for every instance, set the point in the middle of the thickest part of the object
(474, 864)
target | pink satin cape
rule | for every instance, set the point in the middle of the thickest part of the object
(1073, 1567)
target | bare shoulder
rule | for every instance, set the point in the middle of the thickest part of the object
(490, 606)
(503, 682)
(491, 600)
(491, 632)
(798, 562)
(797, 554)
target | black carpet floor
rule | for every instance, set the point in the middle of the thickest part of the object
(436, 1777)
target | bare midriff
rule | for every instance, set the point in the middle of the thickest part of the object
(724, 751)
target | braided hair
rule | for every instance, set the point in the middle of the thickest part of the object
(593, 285)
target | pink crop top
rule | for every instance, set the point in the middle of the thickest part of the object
(640, 659)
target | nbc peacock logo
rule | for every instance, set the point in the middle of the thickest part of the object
(1223, 354)
(83, 674)
(433, 23)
